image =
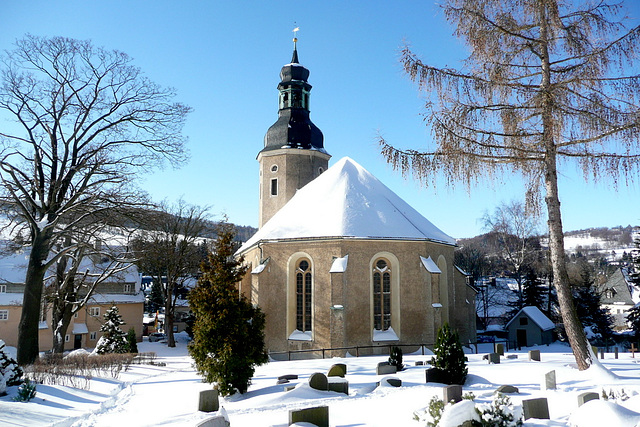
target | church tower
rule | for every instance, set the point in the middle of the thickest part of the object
(293, 153)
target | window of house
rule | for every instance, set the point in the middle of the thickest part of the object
(127, 287)
(67, 338)
(3, 289)
(274, 187)
(4, 314)
(94, 311)
(93, 335)
(524, 321)
(303, 296)
(75, 315)
(381, 295)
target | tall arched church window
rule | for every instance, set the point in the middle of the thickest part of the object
(381, 295)
(303, 296)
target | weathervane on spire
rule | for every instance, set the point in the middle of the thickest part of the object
(295, 35)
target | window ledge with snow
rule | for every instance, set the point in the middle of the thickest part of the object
(388, 335)
(300, 336)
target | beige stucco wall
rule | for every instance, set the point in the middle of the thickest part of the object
(414, 319)
(131, 313)
(295, 169)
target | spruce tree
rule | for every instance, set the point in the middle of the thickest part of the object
(113, 339)
(132, 341)
(449, 356)
(228, 332)
(532, 293)
(10, 372)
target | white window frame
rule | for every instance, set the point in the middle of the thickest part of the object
(3, 289)
(67, 338)
(93, 336)
(94, 311)
(127, 287)
(4, 314)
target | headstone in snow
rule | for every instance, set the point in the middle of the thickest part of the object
(392, 381)
(536, 408)
(534, 355)
(288, 377)
(318, 416)
(318, 381)
(208, 401)
(507, 389)
(549, 382)
(587, 396)
(385, 368)
(452, 393)
(338, 384)
(217, 421)
(337, 370)
(435, 375)
(499, 348)
(494, 358)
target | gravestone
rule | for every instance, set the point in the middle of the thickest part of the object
(435, 375)
(318, 416)
(534, 355)
(499, 348)
(549, 382)
(452, 392)
(208, 401)
(282, 381)
(507, 389)
(288, 377)
(385, 368)
(337, 370)
(419, 363)
(512, 356)
(494, 358)
(289, 387)
(318, 381)
(392, 381)
(217, 421)
(339, 385)
(536, 408)
(587, 396)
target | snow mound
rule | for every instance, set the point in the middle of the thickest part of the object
(456, 415)
(597, 413)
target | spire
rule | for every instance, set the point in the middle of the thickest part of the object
(294, 59)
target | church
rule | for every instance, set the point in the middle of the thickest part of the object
(339, 260)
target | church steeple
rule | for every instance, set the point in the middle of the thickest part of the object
(294, 128)
(293, 154)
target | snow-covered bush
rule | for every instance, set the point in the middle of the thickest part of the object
(499, 413)
(26, 391)
(10, 372)
(113, 339)
(449, 356)
(395, 359)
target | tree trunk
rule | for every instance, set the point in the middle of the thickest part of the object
(169, 309)
(28, 345)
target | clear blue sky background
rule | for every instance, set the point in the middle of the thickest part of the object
(224, 59)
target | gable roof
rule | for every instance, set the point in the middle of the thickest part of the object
(617, 290)
(536, 316)
(347, 201)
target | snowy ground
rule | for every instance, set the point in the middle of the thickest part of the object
(168, 395)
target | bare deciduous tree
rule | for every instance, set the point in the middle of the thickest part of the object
(86, 123)
(170, 252)
(546, 82)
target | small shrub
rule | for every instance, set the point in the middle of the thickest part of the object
(395, 358)
(436, 406)
(26, 391)
(499, 413)
(449, 356)
(10, 372)
(132, 341)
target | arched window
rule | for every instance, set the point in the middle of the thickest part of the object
(303, 296)
(381, 295)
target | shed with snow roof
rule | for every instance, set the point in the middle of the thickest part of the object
(529, 327)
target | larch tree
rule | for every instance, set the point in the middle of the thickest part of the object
(169, 252)
(228, 333)
(85, 123)
(547, 83)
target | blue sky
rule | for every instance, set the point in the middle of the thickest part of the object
(224, 59)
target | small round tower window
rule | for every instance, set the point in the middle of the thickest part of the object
(320, 170)
(274, 168)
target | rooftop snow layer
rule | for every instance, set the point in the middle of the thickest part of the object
(347, 201)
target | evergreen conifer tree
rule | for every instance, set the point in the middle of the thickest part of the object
(449, 356)
(228, 332)
(395, 358)
(10, 372)
(532, 292)
(633, 315)
(132, 341)
(113, 339)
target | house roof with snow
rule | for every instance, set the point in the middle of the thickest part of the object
(536, 316)
(347, 201)
(618, 289)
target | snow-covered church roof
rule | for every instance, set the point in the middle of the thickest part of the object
(347, 201)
